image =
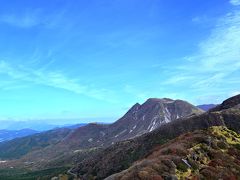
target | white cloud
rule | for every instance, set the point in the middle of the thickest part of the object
(178, 79)
(218, 55)
(221, 50)
(53, 79)
(32, 18)
(235, 2)
(215, 67)
(23, 21)
(201, 19)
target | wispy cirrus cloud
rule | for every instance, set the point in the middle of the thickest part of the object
(220, 52)
(24, 22)
(178, 79)
(32, 18)
(52, 79)
(217, 61)
(235, 2)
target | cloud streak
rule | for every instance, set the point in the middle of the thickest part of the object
(33, 18)
(235, 2)
(217, 58)
(53, 79)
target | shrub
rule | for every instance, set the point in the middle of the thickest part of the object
(237, 146)
(222, 145)
(182, 167)
(193, 164)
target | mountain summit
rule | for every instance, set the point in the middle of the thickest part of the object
(150, 115)
(138, 120)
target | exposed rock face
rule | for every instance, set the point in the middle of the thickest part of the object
(152, 114)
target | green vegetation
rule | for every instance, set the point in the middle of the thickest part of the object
(182, 167)
(217, 155)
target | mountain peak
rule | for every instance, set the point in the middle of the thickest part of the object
(154, 100)
(150, 115)
(133, 108)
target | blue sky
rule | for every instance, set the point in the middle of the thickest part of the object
(94, 59)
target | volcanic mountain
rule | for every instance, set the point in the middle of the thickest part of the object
(138, 120)
(150, 115)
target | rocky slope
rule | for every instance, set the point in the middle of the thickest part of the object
(138, 120)
(121, 155)
(150, 115)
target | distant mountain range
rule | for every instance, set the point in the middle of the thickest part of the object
(18, 125)
(16, 148)
(34, 125)
(6, 135)
(206, 107)
(160, 139)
